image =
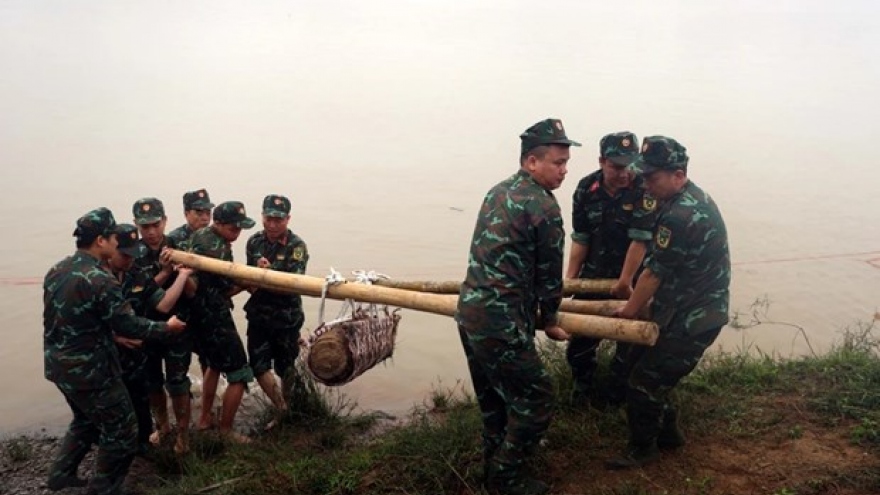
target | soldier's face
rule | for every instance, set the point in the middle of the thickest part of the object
(121, 262)
(550, 170)
(663, 184)
(275, 227)
(153, 233)
(614, 176)
(228, 231)
(108, 246)
(197, 218)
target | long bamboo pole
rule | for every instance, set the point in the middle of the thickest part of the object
(604, 307)
(639, 332)
(569, 287)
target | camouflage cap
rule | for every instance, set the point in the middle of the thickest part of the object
(275, 205)
(233, 212)
(197, 200)
(548, 131)
(99, 222)
(621, 148)
(147, 211)
(127, 237)
(660, 153)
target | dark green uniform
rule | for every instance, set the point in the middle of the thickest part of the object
(606, 224)
(690, 256)
(275, 319)
(514, 270)
(211, 312)
(83, 306)
(179, 237)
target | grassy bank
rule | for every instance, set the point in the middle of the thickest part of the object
(755, 424)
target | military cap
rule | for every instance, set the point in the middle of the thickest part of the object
(621, 148)
(147, 211)
(548, 131)
(660, 153)
(233, 212)
(197, 200)
(99, 222)
(127, 238)
(275, 205)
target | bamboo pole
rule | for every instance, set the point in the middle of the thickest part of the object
(604, 307)
(569, 287)
(639, 332)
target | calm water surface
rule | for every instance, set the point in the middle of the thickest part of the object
(386, 122)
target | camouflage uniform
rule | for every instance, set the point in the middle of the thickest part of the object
(606, 224)
(275, 319)
(514, 270)
(142, 292)
(211, 308)
(192, 200)
(689, 254)
(83, 306)
(175, 352)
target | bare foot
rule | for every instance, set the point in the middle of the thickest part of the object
(236, 437)
(157, 436)
(181, 445)
(206, 423)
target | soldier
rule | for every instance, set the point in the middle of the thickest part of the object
(687, 272)
(612, 220)
(175, 353)
(144, 295)
(83, 307)
(211, 317)
(197, 207)
(515, 271)
(274, 318)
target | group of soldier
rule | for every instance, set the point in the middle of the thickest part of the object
(639, 220)
(122, 321)
(113, 351)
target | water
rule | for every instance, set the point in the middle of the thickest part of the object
(382, 120)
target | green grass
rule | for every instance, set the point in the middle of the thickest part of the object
(322, 447)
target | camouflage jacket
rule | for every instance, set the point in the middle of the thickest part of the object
(606, 223)
(290, 255)
(515, 261)
(147, 265)
(142, 292)
(82, 307)
(212, 290)
(180, 236)
(690, 256)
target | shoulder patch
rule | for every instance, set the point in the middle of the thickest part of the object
(664, 235)
(298, 253)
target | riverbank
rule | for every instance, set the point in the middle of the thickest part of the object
(755, 425)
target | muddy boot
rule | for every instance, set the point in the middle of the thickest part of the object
(634, 456)
(518, 484)
(61, 482)
(670, 436)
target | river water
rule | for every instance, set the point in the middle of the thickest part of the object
(386, 122)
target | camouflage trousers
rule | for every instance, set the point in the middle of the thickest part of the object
(103, 416)
(176, 355)
(220, 345)
(582, 356)
(656, 371)
(134, 376)
(269, 345)
(515, 396)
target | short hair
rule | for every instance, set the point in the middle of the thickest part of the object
(538, 152)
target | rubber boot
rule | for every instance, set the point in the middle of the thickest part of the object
(670, 437)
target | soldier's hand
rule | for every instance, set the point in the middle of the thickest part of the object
(263, 263)
(184, 271)
(622, 290)
(127, 342)
(176, 325)
(555, 332)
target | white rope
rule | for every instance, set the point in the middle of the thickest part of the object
(333, 278)
(368, 277)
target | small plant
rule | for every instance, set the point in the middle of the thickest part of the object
(795, 432)
(18, 449)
